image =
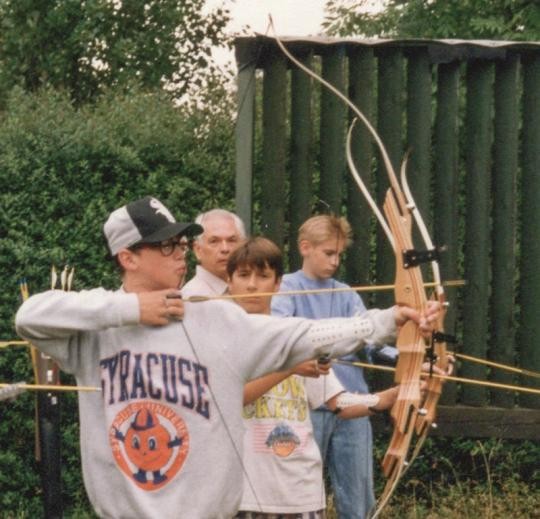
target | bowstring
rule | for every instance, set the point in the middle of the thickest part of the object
(223, 421)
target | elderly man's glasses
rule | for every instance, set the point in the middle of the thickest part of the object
(167, 247)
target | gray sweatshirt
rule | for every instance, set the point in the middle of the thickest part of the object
(164, 436)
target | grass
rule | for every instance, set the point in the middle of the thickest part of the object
(486, 480)
(464, 501)
(415, 499)
(451, 479)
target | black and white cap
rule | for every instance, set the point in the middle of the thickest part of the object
(144, 221)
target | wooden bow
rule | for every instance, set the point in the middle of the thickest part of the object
(409, 290)
(410, 414)
(410, 341)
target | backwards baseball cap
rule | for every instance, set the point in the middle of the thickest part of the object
(144, 221)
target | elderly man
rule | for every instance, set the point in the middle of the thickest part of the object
(223, 232)
(163, 436)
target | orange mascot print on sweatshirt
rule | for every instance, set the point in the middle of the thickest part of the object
(150, 443)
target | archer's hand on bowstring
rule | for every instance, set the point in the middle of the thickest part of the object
(160, 307)
(427, 321)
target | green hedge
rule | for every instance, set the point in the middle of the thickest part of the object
(62, 170)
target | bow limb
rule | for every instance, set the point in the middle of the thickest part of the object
(423, 412)
(422, 227)
(410, 343)
(357, 112)
(409, 291)
(434, 385)
(362, 186)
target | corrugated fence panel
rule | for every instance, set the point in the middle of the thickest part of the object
(469, 112)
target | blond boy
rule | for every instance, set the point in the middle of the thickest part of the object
(346, 446)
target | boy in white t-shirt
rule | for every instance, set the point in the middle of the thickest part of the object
(283, 466)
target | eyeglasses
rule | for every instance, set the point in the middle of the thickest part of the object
(167, 247)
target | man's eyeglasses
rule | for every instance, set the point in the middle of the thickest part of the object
(167, 247)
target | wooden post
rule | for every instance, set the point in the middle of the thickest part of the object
(360, 215)
(505, 166)
(446, 190)
(389, 124)
(333, 119)
(301, 158)
(419, 136)
(477, 224)
(273, 190)
(529, 334)
(244, 145)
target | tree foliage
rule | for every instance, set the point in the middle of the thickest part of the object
(85, 46)
(467, 19)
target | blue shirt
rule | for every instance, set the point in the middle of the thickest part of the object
(319, 306)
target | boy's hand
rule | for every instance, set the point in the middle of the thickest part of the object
(160, 307)
(311, 368)
(426, 322)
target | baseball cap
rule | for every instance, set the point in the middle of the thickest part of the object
(144, 221)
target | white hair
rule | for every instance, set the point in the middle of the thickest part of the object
(221, 213)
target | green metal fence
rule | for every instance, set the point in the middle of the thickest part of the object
(469, 111)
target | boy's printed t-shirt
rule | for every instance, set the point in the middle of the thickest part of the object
(281, 457)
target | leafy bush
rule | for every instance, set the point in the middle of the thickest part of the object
(62, 170)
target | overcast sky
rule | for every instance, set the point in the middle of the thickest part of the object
(291, 18)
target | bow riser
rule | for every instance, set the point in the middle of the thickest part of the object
(410, 342)
(395, 456)
(434, 385)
